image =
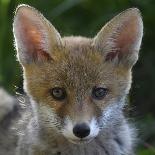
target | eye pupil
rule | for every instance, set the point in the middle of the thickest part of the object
(99, 93)
(58, 93)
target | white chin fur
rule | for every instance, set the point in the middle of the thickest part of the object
(68, 131)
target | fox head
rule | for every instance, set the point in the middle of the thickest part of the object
(79, 83)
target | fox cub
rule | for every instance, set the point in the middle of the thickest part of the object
(76, 88)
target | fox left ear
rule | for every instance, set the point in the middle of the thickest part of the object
(36, 39)
(120, 39)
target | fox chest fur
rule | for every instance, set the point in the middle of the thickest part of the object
(77, 86)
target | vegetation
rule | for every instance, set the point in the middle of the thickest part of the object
(86, 17)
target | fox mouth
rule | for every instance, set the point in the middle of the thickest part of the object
(80, 141)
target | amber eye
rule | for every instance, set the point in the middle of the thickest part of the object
(58, 93)
(99, 93)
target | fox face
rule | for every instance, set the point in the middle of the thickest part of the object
(78, 83)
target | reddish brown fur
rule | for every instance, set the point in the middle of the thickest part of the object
(78, 69)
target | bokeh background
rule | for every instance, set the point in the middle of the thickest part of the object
(86, 17)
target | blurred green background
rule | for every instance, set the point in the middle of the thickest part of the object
(86, 17)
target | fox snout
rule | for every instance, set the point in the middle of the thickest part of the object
(78, 132)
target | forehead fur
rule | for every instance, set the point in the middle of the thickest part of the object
(76, 67)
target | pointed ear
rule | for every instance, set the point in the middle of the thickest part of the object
(120, 39)
(35, 37)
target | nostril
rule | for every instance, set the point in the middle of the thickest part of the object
(81, 130)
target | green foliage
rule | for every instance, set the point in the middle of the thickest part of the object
(8, 66)
(86, 17)
(145, 152)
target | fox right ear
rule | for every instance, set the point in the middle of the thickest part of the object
(120, 39)
(35, 37)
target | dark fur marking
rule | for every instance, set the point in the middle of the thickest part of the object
(118, 141)
(6, 122)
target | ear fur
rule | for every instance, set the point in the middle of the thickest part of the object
(35, 37)
(120, 39)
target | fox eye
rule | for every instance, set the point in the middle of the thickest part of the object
(58, 93)
(99, 93)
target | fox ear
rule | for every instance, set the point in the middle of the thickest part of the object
(120, 39)
(35, 37)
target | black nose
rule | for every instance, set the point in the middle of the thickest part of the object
(81, 130)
